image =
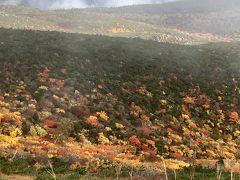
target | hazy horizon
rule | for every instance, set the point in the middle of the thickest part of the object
(68, 4)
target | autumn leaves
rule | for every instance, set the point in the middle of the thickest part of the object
(143, 120)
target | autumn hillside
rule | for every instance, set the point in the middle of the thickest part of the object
(88, 103)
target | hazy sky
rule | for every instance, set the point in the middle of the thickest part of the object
(66, 4)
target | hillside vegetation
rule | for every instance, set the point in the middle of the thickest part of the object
(81, 103)
(139, 92)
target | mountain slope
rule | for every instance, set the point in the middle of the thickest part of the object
(123, 88)
(109, 106)
(111, 22)
(207, 16)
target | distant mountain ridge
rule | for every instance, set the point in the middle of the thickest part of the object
(182, 22)
(221, 17)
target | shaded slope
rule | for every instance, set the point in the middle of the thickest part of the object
(207, 16)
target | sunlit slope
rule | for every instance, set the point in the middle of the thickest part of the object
(101, 21)
(174, 95)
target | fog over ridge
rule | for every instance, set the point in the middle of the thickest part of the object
(67, 4)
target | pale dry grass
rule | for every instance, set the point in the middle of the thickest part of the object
(17, 177)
